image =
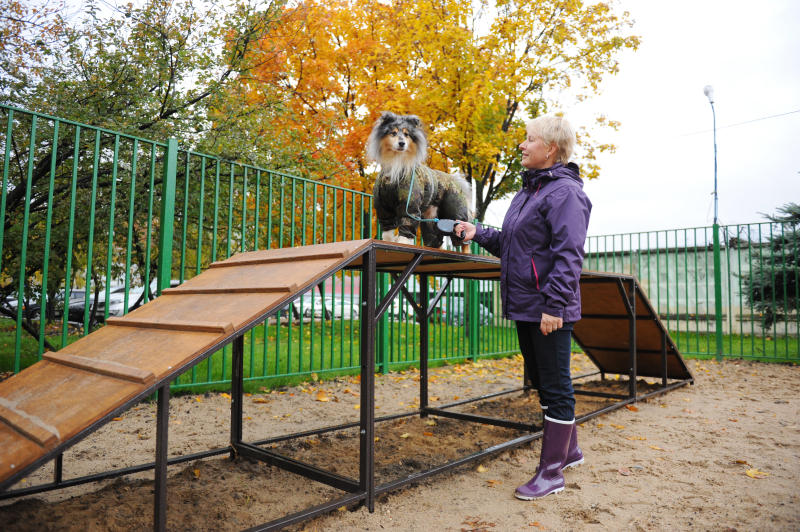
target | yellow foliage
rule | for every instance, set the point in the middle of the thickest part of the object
(471, 71)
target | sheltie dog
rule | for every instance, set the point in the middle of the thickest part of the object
(398, 143)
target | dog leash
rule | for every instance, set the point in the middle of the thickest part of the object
(444, 225)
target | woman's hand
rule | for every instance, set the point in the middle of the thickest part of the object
(550, 323)
(466, 228)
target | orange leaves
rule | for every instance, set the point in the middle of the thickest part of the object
(632, 408)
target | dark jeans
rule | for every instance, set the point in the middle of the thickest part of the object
(547, 359)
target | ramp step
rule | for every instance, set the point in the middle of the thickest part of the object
(29, 426)
(102, 367)
(232, 290)
(172, 325)
(271, 260)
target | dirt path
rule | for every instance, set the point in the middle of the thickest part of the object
(682, 461)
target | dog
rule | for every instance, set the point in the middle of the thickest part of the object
(398, 143)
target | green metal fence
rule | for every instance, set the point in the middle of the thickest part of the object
(95, 223)
(676, 269)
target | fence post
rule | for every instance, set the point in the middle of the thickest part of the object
(473, 316)
(717, 292)
(167, 216)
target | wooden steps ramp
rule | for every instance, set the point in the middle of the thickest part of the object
(54, 403)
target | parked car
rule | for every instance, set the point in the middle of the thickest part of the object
(337, 307)
(454, 311)
(116, 301)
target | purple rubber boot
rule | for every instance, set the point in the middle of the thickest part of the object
(548, 478)
(574, 453)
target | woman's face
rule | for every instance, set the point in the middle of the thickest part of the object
(536, 154)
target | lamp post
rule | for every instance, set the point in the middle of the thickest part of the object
(708, 90)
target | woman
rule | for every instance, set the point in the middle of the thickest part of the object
(541, 250)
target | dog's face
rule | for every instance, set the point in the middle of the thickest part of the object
(397, 141)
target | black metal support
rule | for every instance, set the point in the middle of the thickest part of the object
(664, 366)
(162, 431)
(485, 420)
(237, 392)
(289, 464)
(366, 480)
(399, 281)
(634, 356)
(58, 469)
(422, 318)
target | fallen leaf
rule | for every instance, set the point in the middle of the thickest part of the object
(405, 435)
(226, 395)
(617, 426)
(431, 423)
(322, 397)
(493, 483)
(733, 419)
(116, 419)
(261, 400)
(656, 447)
(427, 433)
(636, 438)
(624, 471)
(198, 399)
(196, 473)
(688, 410)
(755, 473)
(314, 377)
(741, 462)
(632, 408)
(600, 425)
(481, 469)
(537, 524)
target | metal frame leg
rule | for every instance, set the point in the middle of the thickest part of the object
(162, 431)
(237, 389)
(422, 316)
(367, 420)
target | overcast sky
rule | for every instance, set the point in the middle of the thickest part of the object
(662, 174)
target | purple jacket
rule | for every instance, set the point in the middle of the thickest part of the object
(541, 245)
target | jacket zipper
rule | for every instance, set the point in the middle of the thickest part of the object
(535, 273)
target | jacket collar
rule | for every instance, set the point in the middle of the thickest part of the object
(533, 178)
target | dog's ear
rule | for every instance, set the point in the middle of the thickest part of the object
(387, 116)
(414, 120)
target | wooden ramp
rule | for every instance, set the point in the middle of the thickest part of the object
(54, 403)
(610, 304)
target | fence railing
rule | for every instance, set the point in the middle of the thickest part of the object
(96, 223)
(758, 272)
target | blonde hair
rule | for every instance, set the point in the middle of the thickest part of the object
(553, 129)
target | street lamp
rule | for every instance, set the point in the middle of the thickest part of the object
(708, 90)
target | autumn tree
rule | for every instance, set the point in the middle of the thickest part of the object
(473, 71)
(155, 70)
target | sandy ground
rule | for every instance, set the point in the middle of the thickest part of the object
(723, 454)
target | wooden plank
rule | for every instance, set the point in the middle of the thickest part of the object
(29, 426)
(179, 290)
(271, 260)
(103, 367)
(18, 451)
(172, 325)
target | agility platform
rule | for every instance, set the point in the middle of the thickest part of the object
(55, 403)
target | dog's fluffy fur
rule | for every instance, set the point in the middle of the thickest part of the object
(398, 143)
